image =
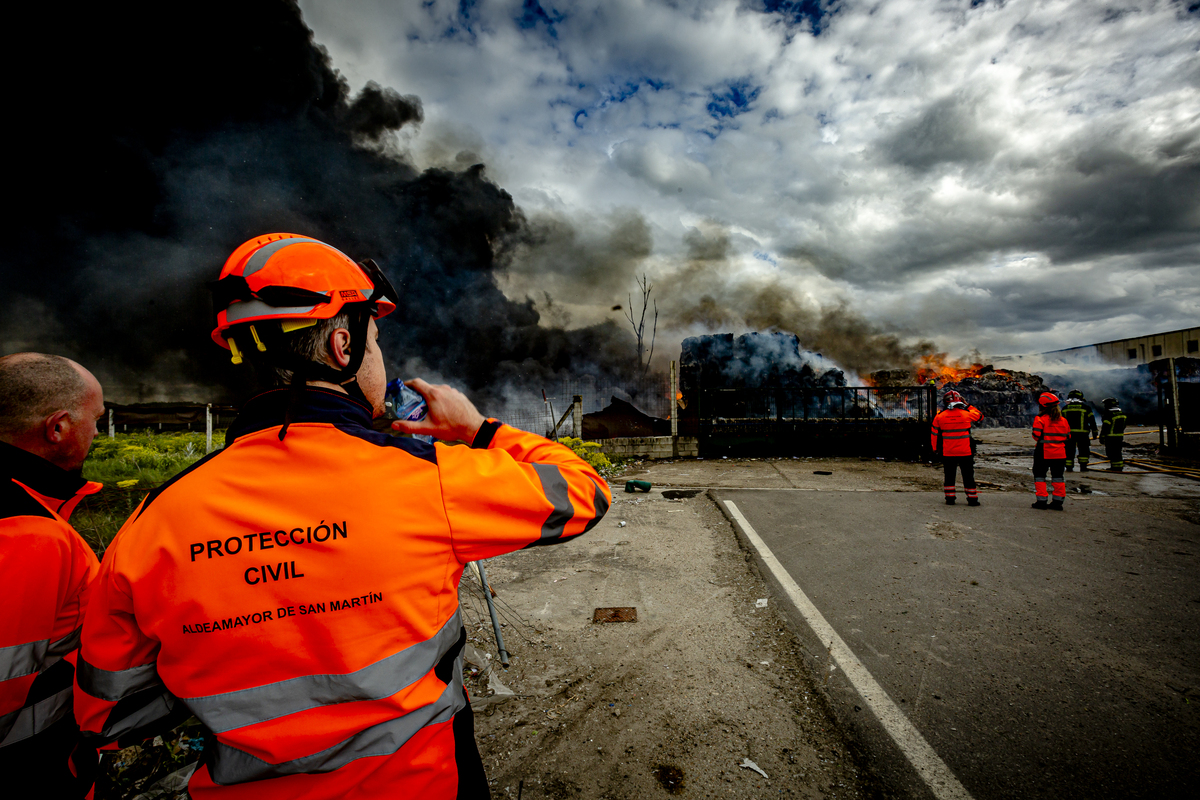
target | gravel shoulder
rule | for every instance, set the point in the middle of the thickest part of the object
(672, 703)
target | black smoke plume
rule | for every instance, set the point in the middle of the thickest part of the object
(146, 140)
(708, 295)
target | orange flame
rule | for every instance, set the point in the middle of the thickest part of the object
(940, 370)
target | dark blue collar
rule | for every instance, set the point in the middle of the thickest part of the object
(268, 409)
(37, 473)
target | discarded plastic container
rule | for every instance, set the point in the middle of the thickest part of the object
(633, 486)
(403, 403)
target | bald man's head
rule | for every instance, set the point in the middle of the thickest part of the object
(49, 406)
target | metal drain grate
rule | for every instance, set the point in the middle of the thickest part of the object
(620, 614)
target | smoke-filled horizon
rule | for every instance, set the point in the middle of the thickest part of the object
(148, 158)
(1012, 176)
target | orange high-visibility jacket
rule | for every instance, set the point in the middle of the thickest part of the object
(300, 597)
(950, 435)
(45, 568)
(1052, 435)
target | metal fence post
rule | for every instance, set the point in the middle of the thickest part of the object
(208, 428)
(577, 416)
(112, 429)
(674, 400)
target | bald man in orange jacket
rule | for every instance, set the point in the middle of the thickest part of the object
(49, 406)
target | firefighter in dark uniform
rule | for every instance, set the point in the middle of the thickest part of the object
(1083, 428)
(1112, 434)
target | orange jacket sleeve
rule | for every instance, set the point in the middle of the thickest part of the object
(118, 694)
(45, 568)
(522, 490)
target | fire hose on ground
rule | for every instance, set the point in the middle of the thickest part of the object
(1149, 467)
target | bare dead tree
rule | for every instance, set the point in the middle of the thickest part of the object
(639, 325)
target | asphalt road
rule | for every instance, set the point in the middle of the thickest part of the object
(1040, 654)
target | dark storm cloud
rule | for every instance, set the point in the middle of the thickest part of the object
(945, 132)
(902, 156)
(158, 139)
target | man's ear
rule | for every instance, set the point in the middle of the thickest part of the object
(339, 347)
(57, 426)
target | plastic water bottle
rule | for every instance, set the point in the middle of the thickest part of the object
(406, 404)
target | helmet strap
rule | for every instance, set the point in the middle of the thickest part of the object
(305, 371)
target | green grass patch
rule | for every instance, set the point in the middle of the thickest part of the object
(130, 465)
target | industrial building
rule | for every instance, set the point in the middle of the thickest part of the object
(1140, 349)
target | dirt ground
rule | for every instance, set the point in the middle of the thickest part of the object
(709, 675)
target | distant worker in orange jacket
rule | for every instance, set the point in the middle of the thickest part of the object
(48, 411)
(297, 591)
(950, 438)
(1051, 432)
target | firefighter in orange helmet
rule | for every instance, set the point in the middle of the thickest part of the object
(48, 411)
(1051, 432)
(297, 590)
(950, 438)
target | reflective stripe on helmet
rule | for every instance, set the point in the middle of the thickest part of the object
(250, 309)
(264, 253)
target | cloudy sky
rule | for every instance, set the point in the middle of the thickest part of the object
(1013, 176)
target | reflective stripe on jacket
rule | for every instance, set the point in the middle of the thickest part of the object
(1112, 424)
(1080, 417)
(300, 597)
(1052, 435)
(45, 568)
(950, 434)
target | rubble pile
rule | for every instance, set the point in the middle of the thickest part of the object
(753, 361)
(1007, 399)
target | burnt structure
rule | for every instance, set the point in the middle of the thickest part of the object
(761, 394)
(1007, 399)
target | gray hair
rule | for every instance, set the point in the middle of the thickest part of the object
(306, 344)
(33, 386)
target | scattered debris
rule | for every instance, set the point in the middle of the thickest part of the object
(632, 486)
(497, 688)
(170, 786)
(748, 764)
(615, 614)
(761, 602)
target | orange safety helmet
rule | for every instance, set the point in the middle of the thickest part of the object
(1047, 399)
(294, 281)
(952, 396)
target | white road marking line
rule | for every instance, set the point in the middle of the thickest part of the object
(912, 744)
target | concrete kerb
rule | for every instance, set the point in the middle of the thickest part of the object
(866, 733)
